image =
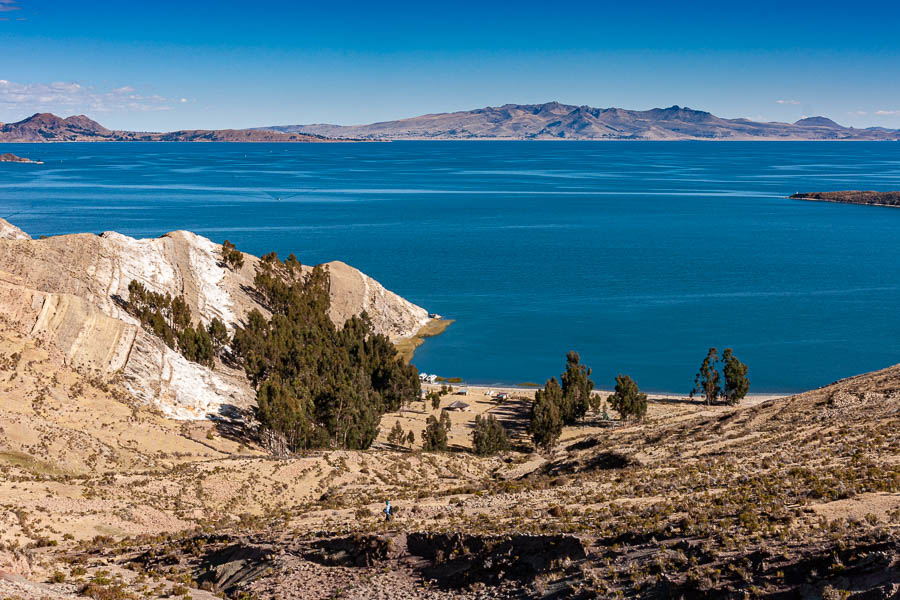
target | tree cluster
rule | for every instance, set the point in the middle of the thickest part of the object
(489, 437)
(434, 438)
(231, 256)
(398, 437)
(557, 405)
(170, 319)
(731, 385)
(317, 385)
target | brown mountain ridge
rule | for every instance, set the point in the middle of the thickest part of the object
(47, 127)
(556, 121)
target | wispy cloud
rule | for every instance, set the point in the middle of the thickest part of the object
(8, 5)
(858, 113)
(73, 97)
(787, 102)
(887, 113)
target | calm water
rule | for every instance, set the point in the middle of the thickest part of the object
(639, 255)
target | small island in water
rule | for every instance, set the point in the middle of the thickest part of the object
(853, 197)
(10, 157)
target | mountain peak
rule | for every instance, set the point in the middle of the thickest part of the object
(818, 122)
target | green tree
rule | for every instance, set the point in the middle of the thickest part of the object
(736, 382)
(231, 256)
(435, 398)
(218, 335)
(396, 436)
(576, 389)
(410, 438)
(196, 345)
(434, 438)
(546, 422)
(706, 382)
(348, 376)
(489, 437)
(627, 399)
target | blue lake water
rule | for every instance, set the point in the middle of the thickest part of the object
(639, 255)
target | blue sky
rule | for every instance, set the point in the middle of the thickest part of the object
(166, 65)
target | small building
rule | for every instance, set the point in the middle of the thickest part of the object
(502, 396)
(458, 405)
(462, 392)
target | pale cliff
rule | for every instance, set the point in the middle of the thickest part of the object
(69, 291)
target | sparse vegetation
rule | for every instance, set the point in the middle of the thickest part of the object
(231, 256)
(170, 319)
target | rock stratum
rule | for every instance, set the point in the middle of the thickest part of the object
(556, 121)
(47, 127)
(70, 290)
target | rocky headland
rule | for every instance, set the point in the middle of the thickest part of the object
(852, 197)
(10, 157)
(47, 127)
(71, 289)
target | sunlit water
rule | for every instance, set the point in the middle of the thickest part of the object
(639, 255)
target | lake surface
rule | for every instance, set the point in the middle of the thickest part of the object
(639, 255)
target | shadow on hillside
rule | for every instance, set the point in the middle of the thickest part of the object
(235, 424)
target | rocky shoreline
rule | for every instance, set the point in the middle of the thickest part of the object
(852, 197)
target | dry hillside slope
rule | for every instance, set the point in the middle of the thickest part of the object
(70, 289)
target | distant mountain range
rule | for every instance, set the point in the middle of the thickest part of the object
(555, 121)
(47, 127)
(551, 121)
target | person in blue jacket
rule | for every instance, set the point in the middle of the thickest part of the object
(388, 511)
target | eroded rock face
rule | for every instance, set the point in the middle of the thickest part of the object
(8, 231)
(71, 290)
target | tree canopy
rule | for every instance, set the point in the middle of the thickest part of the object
(546, 422)
(731, 385)
(489, 437)
(317, 385)
(627, 399)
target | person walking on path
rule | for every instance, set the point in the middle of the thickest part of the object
(388, 511)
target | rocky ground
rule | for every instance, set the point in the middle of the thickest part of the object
(795, 497)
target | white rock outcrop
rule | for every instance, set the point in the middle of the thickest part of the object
(70, 290)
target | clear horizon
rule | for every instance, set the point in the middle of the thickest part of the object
(229, 64)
